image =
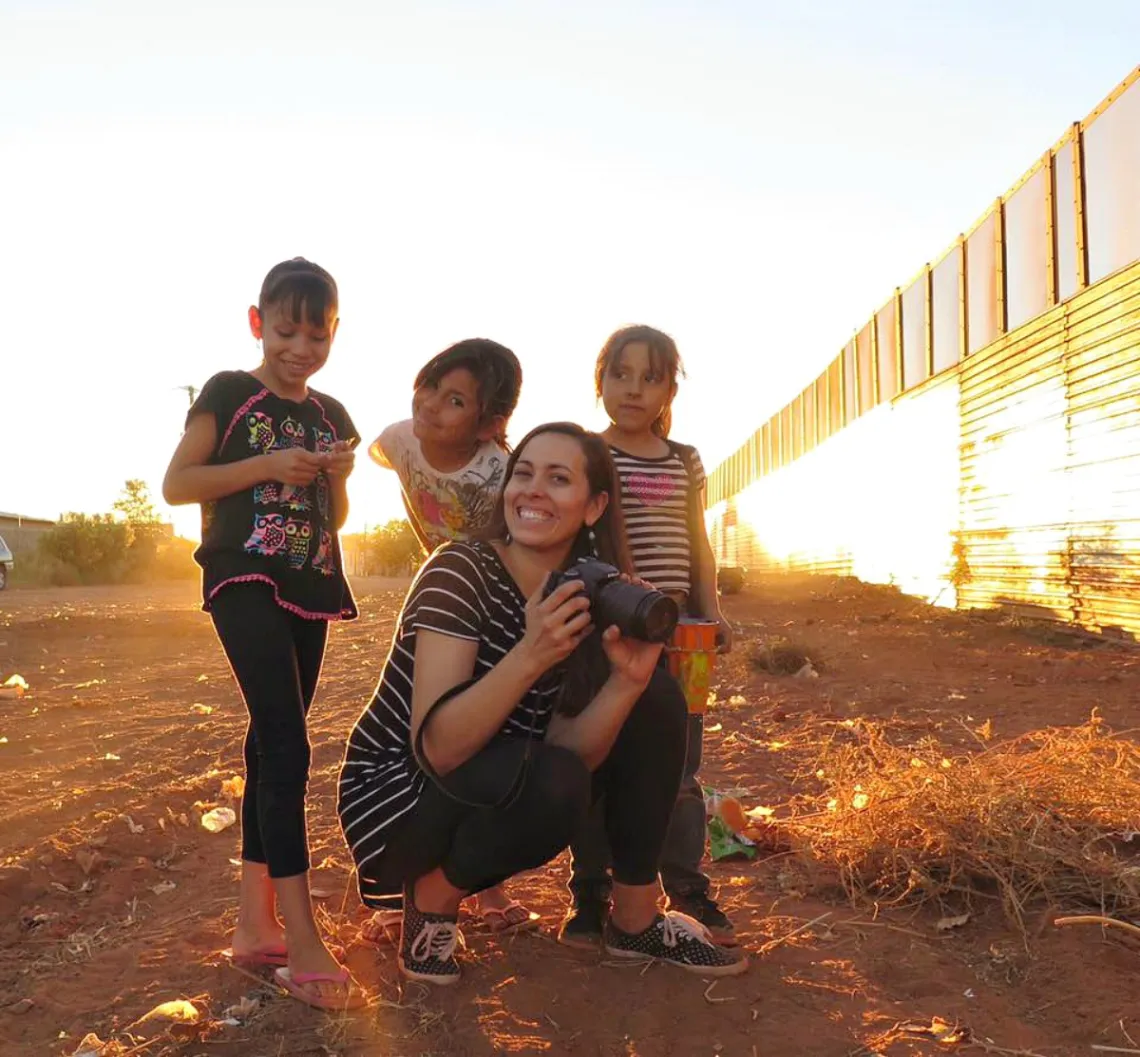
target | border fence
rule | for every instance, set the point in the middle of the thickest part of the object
(978, 441)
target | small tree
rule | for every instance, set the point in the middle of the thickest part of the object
(135, 506)
(144, 527)
(94, 546)
(392, 549)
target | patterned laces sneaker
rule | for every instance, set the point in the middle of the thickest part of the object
(583, 924)
(427, 946)
(679, 940)
(700, 907)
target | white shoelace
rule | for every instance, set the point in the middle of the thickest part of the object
(436, 939)
(676, 927)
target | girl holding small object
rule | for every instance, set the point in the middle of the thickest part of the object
(662, 499)
(450, 457)
(268, 458)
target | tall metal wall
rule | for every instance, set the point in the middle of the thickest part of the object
(978, 441)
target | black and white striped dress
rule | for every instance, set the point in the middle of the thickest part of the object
(462, 591)
(655, 499)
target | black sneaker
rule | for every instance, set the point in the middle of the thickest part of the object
(704, 909)
(583, 924)
(679, 940)
(427, 945)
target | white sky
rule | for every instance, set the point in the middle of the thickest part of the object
(753, 179)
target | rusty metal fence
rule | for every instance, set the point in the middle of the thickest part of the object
(978, 440)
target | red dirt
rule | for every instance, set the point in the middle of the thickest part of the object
(108, 734)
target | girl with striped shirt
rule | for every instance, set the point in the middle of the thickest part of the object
(502, 714)
(662, 501)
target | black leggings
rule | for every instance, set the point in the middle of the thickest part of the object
(480, 847)
(276, 657)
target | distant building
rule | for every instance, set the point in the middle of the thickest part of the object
(22, 533)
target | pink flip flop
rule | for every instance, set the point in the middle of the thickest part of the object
(295, 983)
(499, 924)
(258, 959)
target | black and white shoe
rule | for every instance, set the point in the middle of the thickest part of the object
(679, 940)
(427, 946)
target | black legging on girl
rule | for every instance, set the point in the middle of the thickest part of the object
(276, 657)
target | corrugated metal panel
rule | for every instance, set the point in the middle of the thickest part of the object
(1103, 368)
(1015, 504)
(879, 500)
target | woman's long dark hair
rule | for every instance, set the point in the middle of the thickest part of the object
(587, 668)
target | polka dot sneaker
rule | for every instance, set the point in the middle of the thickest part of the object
(705, 910)
(427, 946)
(679, 940)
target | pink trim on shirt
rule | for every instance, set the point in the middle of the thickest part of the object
(239, 413)
(325, 417)
(249, 578)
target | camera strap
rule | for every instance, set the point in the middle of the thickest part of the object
(441, 782)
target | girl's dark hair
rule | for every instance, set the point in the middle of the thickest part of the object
(304, 288)
(497, 373)
(587, 668)
(663, 357)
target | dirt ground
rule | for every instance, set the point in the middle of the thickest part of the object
(113, 897)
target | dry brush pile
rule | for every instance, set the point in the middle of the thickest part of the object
(1048, 819)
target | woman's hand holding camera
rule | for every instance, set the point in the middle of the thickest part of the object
(555, 625)
(631, 660)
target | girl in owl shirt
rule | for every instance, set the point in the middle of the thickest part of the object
(267, 458)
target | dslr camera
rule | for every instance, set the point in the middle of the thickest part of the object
(639, 612)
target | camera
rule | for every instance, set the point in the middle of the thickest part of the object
(639, 612)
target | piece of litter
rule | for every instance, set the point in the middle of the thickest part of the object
(969, 993)
(3, 741)
(178, 1011)
(946, 924)
(163, 887)
(714, 728)
(243, 1009)
(218, 819)
(16, 686)
(90, 1046)
(234, 787)
(132, 825)
(203, 678)
(761, 814)
(111, 756)
(807, 672)
(201, 709)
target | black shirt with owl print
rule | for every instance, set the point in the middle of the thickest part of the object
(273, 533)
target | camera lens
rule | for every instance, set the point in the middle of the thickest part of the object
(657, 616)
(639, 612)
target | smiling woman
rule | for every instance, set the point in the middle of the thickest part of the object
(488, 766)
